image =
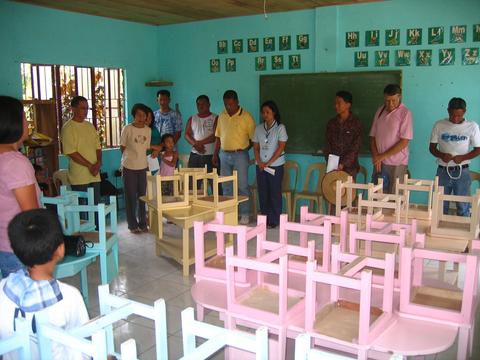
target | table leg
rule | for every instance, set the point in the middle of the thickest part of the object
(186, 252)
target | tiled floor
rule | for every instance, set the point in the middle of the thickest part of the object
(145, 278)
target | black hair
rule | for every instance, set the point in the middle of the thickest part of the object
(276, 113)
(139, 106)
(35, 235)
(456, 104)
(345, 95)
(166, 136)
(77, 100)
(11, 120)
(148, 110)
(163, 92)
(392, 89)
(230, 94)
(204, 97)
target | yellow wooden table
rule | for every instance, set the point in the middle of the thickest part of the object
(184, 217)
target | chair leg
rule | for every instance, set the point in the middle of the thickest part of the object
(103, 267)
(288, 198)
(200, 312)
(84, 285)
(463, 337)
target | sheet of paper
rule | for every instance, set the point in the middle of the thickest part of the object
(269, 170)
(153, 164)
(332, 163)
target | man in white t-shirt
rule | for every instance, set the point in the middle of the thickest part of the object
(450, 142)
(38, 243)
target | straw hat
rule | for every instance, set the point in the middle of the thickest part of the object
(329, 186)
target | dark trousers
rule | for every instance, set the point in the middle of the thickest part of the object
(270, 194)
(82, 201)
(135, 185)
(199, 161)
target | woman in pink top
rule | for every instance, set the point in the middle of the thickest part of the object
(18, 187)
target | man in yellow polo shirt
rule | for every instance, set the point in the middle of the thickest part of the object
(81, 144)
(235, 128)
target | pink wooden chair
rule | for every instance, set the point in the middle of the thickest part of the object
(385, 227)
(442, 304)
(342, 317)
(264, 304)
(304, 230)
(340, 222)
(209, 290)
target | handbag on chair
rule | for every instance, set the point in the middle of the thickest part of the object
(75, 245)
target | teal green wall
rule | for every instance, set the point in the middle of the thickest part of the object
(181, 53)
(39, 35)
(426, 90)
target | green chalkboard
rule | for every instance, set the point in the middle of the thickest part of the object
(307, 101)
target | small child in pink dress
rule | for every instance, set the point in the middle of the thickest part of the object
(168, 162)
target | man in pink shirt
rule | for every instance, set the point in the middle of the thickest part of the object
(390, 134)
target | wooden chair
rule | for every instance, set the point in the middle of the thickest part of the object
(453, 226)
(303, 230)
(100, 329)
(336, 321)
(105, 243)
(338, 222)
(203, 189)
(384, 227)
(381, 206)
(442, 303)
(215, 200)
(89, 199)
(209, 290)
(315, 196)
(416, 210)
(264, 304)
(218, 338)
(19, 342)
(291, 169)
(348, 190)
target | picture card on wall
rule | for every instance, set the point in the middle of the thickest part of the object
(382, 58)
(424, 57)
(392, 37)
(372, 38)
(230, 64)
(294, 62)
(284, 42)
(361, 58)
(470, 56)
(476, 32)
(237, 46)
(458, 33)
(222, 47)
(446, 56)
(277, 62)
(214, 65)
(253, 45)
(414, 36)
(403, 57)
(269, 43)
(352, 39)
(435, 35)
(260, 63)
(303, 42)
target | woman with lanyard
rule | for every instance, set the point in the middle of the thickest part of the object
(269, 143)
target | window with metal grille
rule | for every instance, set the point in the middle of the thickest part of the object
(103, 88)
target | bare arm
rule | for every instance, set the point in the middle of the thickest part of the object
(27, 197)
(172, 162)
(277, 153)
(215, 152)
(437, 153)
(79, 159)
(256, 153)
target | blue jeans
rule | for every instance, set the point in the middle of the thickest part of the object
(460, 186)
(236, 161)
(9, 263)
(270, 194)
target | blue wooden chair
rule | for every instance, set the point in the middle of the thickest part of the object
(89, 198)
(19, 342)
(105, 243)
(70, 265)
(100, 329)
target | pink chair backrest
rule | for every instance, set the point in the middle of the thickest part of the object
(386, 227)
(307, 217)
(411, 275)
(304, 229)
(370, 237)
(243, 235)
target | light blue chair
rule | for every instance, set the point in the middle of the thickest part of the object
(105, 243)
(100, 329)
(89, 197)
(19, 342)
(70, 265)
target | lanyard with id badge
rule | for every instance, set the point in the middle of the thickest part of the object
(266, 145)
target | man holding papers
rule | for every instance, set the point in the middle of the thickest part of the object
(269, 143)
(344, 135)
